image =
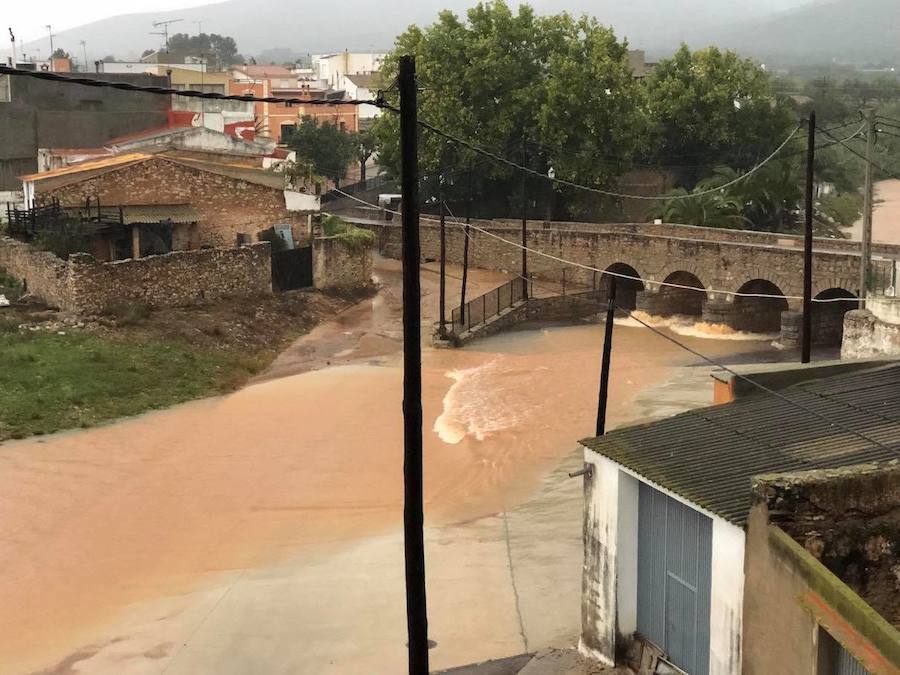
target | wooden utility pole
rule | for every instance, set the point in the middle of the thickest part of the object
(465, 270)
(806, 331)
(607, 358)
(442, 313)
(413, 518)
(868, 207)
(524, 219)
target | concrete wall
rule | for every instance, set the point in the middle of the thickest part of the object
(786, 581)
(85, 286)
(340, 267)
(866, 336)
(609, 573)
(225, 205)
(45, 114)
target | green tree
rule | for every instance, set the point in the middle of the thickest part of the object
(559, 86)
(365, 148)
(712, 107)
(326, 147)
(59, 53)
(219, 50)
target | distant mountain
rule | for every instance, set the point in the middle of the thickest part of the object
(847, 30)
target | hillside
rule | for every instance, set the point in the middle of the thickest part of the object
(847, 31)
(785, 30)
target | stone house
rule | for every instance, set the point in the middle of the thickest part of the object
(751, 537)
(174, 201)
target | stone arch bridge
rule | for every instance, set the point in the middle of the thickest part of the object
(712, 261)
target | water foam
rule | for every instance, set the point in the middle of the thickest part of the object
(688, 326)
(477, 404)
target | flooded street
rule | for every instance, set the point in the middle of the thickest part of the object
(264, 527)
(885, 216)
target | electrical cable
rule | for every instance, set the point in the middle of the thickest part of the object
(864, 158)
(737, 294)
(187, 93)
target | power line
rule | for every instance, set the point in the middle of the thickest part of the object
(559, 181)
(863, 157)
(187, 93)
(829, 420)
(737, 294)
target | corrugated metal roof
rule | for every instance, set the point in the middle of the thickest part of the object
(90, 165)
(709, 456)
(156, 213)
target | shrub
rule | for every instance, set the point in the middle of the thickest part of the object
(355, 238)
(70, 236)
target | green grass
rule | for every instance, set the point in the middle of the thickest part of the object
(50, 382)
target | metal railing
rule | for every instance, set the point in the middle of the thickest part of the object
(483, 308)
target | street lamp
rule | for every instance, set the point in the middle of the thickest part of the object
(551, 174)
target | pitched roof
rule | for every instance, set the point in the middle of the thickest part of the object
(709, 456)
(112, 162)
(364, 80)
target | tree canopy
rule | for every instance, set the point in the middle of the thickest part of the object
(328, 149)
(219, 50)
(547, 91)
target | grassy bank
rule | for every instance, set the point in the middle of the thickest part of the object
(58, 373)
(50, 382)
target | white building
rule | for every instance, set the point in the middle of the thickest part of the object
(667, 508)
(362, 86)
(330, 68)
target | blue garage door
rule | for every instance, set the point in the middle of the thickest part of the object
(674, 579)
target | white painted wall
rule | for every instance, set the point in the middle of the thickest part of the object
(727, 598)
(598, 592)
(301, 201)
(627, 552)
(611, 531)
(885, 309)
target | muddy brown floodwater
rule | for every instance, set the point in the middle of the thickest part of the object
(95, 523)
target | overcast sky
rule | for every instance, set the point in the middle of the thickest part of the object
(29, 19)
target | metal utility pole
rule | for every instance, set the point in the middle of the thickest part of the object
(442, 311)
(83, 44)
(413, 518)
(524, 219)
(465, 270)
(12, 43)
(607, 357)
(806, 331)
(868, 207)
(50, 34)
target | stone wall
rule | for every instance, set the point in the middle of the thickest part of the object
(44, 275)
(722, 265)
(85, 286)
(226, 206)
(820, 556)
(339, 266)
(867, 336)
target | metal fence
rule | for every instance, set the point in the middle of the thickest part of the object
(483, 308)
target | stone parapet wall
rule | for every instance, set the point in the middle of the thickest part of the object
(85, 286)
(44, 275)
(339, 266)
(866, 336)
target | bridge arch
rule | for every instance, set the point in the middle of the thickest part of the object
(626, 289)
(679, 298)
(828, 317)
(759, 315)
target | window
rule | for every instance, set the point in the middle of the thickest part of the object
(287, 131)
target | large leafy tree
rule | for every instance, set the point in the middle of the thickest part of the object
(545, 91)
(712, 107)
(325, 146)
(220, 50)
